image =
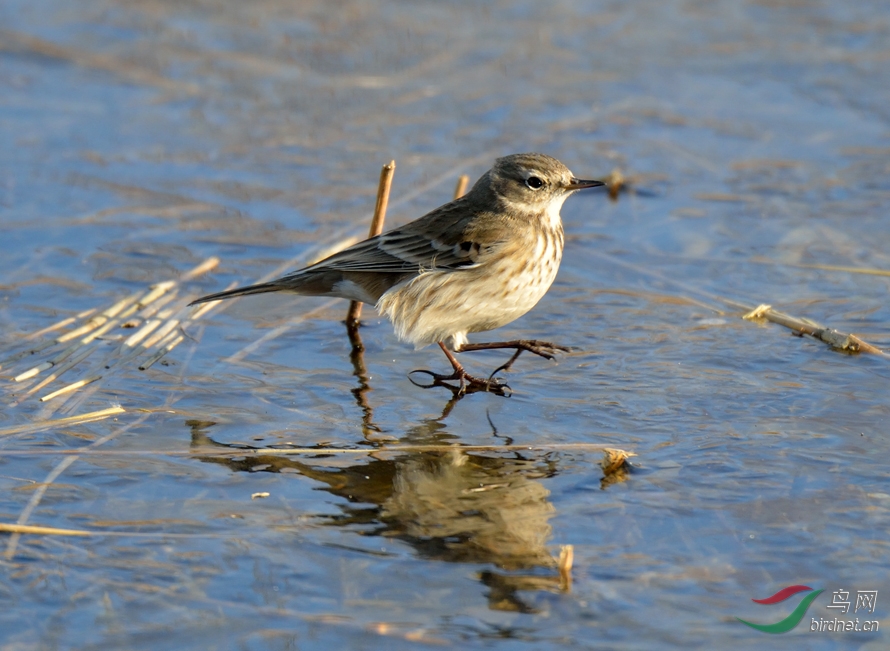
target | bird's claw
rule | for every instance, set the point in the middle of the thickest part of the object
(466, 383)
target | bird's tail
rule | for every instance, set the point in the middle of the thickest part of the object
(262, 288)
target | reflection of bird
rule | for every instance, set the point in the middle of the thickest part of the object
(472, 265)
(475, 509)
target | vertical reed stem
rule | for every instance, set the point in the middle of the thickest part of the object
(386, 174)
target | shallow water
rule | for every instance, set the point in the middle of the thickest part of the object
(139, 139)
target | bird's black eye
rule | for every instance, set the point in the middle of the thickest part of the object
(534, 183)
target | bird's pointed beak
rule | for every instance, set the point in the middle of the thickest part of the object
(580, 184)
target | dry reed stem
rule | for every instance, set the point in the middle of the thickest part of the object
(89, 326)
(383, 188)
(160, 333)
(26, 353)
(74, 386)
(51, 531)
(31, 372)
(20, 529)
(152, 309)
(142, 333)
(834, 338)
(58, 372)
(62, 422)
(461, 188)
(156, 292)
(208, 265)
(163, 535)
(172, 342)
(564, 564)
(147, 304)
(826, 267)
(98, 332)
(101, 318)
(61, 324)
(45, 366)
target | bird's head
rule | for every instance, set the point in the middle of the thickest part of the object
(536, 181)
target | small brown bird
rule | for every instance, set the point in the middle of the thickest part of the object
(472, 265)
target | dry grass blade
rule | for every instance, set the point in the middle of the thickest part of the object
(868, 271)
(49, 531)
(61, 324)
(62, 422)
(100, 319)
(9, 361)
(142, 333)
(74, 386)
(58, 372)
(209, 264)
(150, 310)
(161, 333)
(167, 345)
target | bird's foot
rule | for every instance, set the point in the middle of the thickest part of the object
(466, 383)
(544, 349)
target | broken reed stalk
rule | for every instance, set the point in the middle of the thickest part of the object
(838, 340)
(461, 189)
(152, 312)
(564, 564)
(835, 339)
(386, 174)
(29, 428)
(74, 386)
(47, 531)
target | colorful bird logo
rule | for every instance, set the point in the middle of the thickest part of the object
(794, 618)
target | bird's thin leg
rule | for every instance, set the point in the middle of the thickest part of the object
(456, 365)
(459, 372)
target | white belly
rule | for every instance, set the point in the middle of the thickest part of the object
(446, 305)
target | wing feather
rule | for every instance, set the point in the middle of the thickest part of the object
(439, 240)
